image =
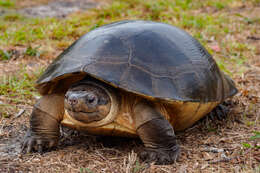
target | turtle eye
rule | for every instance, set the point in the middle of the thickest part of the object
(91, 99)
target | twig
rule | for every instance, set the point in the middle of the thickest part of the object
(224, 158)
(213, 150)
(19, 113)
(253, 38)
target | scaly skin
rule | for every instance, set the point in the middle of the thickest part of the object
(157, 135)
(45, 119)
(220, 112)
(83, 100)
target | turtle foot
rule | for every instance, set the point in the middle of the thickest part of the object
(37, 143)
(160, 156)
(220, 112)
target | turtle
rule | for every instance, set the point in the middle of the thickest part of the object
(131, 78)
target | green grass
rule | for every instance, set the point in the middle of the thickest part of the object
(4, 55)
(86, 170)
(179, 12)
(50, 34)
(253, 139)
(23, 30)
(7, 3)
(19, 87)
(209, 21)
(256, 136)
(43, 36)
(137, 167)
(33, 51)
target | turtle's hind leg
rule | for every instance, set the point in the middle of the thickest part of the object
(44, 124)
(157, 135)
(220, 112)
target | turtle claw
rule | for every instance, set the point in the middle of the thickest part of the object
(36, 143)
(160, 156)
(220, 112)
(27, 144)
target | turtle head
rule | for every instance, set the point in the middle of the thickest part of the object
(87, 102)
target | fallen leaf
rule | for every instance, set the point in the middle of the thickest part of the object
(207, 156)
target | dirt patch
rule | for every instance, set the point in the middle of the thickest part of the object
(2, 12)
(30, 3)
(9, 68)
(58, 8)
(208, 146)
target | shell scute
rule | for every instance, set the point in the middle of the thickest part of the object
(147, 58)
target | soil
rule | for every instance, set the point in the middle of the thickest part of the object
(210, 145)
(58, 8)
(50, 8)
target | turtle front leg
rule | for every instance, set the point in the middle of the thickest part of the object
(45, 119)
(157, 135)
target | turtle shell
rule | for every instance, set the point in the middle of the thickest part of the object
(151, 59)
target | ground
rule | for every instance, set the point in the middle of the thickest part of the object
(229, 29)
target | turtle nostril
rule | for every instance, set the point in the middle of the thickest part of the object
(73, 101)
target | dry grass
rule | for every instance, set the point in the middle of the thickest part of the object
(229, 29)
